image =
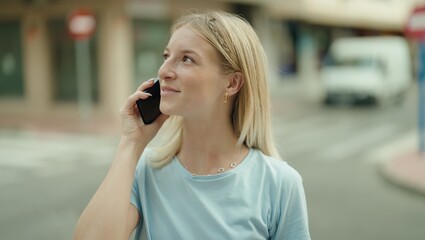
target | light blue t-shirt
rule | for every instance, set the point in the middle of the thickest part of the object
(262, 198)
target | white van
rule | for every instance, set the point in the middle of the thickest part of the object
(376, 69)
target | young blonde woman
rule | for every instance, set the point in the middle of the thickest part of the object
(217, 173)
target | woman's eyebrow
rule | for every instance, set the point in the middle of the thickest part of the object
(190, 51)
(185, 51)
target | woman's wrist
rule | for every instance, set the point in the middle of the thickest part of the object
(132, 145)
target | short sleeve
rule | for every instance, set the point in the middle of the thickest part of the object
(291, 217)
(135, 193)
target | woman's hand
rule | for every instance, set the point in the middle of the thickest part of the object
(132, 128)
(109, 214)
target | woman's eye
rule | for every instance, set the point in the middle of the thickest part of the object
(165, 55)
(187, 59)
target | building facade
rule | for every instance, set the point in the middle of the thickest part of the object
(38, 60)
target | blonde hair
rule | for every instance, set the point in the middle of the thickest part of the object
(240, 50)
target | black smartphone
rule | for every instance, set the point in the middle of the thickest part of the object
(149, 108)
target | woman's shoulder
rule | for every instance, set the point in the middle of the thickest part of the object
(144, 159)
(277, 169)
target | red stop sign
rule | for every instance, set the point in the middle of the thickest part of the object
(81, 24)
(415, 27)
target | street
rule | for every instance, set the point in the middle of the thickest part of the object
(337, 151)
(46, 179)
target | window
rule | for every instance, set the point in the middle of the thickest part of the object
(64, 64)
(11, 69)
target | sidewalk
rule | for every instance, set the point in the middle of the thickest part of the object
(399, 162)
(406, 170)
(97, 125)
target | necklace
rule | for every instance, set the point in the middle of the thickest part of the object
(222, 169)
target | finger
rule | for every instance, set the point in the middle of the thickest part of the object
(146, 85)
(131, 101)
(135, 110)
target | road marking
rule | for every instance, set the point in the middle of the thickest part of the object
(52, 154)
(406, 143)
(311, 138)
(359, 141)
(294, 127)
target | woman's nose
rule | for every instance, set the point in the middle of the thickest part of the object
(166, 71)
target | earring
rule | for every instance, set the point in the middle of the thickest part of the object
(226, 96)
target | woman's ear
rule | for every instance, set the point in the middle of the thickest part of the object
(236, 81)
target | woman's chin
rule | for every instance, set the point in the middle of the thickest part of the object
(166, 110)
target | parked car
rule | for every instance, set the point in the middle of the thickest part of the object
(367, 69)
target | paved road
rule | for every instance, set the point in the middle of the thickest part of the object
(337, 150)
(47, 179)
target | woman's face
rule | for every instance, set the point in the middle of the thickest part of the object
(192, 83)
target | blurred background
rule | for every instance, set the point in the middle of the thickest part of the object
(344, 95)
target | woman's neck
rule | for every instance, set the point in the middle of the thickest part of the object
(207, 147)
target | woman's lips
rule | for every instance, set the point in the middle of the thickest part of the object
(168, 90)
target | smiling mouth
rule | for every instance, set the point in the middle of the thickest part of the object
(168, 91)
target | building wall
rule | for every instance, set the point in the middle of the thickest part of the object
(115, 57)
(38, 103)
(384, 15)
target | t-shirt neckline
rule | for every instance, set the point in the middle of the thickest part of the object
(230, 172)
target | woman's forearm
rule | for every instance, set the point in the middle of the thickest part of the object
(105, 217)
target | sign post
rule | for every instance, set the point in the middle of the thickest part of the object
(415, 29)
(81, 26)
(421, 86)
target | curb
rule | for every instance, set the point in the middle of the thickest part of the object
(406, 171)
